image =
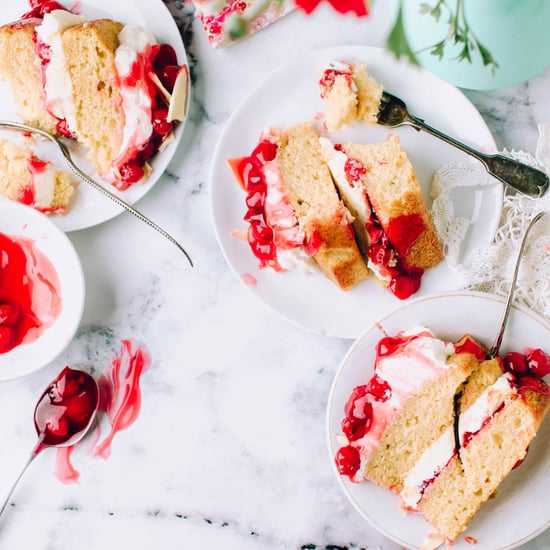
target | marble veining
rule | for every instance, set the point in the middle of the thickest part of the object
(229, 449)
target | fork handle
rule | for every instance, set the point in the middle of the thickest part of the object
(521, 177)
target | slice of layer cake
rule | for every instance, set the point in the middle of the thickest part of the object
(499, 416)
(110, 86)
(440, 426)
(27, 179)
(350, 94)
(294, 213)
(378, 185)
(89, 51)
(20, 68)
(405, 406)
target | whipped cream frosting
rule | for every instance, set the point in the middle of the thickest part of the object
(423, 358)
(288, 237)
(57, 83)
(136, 98)
(43, 182)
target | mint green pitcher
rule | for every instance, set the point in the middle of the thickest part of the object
(510, 39)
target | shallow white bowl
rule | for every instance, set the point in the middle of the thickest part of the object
(19, 220)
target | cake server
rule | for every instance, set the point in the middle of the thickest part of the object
(82, 175)
(527, 180)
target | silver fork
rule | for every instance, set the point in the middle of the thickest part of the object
(527, 180)
(82, 175)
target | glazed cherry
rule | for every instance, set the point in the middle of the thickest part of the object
(405, 285)
(358, 393)
(516, 363)
(379, 389)
(388, 346)
(131, 172)
(164, 56)
(353, 428)
(347, 460)
(168, 75)
(538, 363)
(65, 409)
(161, 126)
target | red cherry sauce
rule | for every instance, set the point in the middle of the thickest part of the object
(120, 394)
(118, 407)
(65, 409)
(30, 299)
(388, 255)
(467, 344)
(263, 238)
(159, 60)
(388, 247)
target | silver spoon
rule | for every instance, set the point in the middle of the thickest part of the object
(63, 415)
(521, 177)
(498, 340)
(67, 155)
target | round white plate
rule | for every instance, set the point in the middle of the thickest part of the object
(88, 207)
(23, 221)
(291, 95)
(516, 514)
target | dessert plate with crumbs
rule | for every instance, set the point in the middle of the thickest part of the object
(87, 206)
(312, 301)
(522, 493)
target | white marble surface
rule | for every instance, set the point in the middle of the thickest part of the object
(229, 449)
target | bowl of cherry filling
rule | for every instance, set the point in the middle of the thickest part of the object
(42, 290)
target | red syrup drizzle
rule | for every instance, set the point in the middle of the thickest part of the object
(30, 298)
(119, 401)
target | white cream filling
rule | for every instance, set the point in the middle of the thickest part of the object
(136, 102)
(355, 195)
(57, 86)
(44, 186)
(287, 235)
(435, 457)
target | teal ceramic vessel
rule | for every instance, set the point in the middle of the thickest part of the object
(515, 32)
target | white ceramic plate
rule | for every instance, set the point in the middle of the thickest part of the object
(88, 206)
(516, 514)
(290, 95)
(23, 221)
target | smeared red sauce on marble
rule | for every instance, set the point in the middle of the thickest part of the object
(119, 405)
(30, 292)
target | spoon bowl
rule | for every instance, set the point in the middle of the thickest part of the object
(63, 415)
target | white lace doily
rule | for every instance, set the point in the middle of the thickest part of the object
(489, 268)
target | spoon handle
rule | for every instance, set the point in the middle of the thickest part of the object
(498, 340)
(8, 496)
(517, 175)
